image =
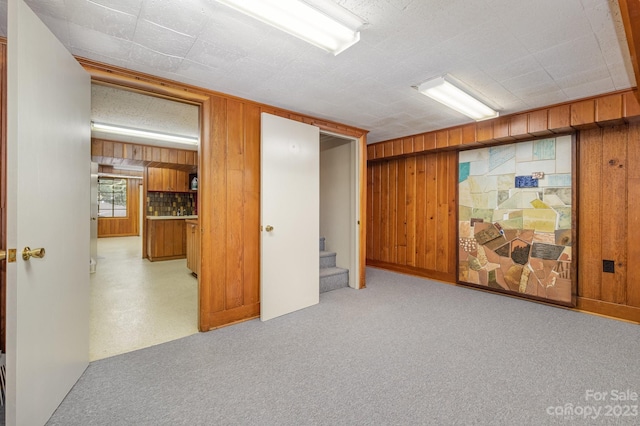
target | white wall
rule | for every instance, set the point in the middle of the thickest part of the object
(337, 200)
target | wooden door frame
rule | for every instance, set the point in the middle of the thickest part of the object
(208, 100)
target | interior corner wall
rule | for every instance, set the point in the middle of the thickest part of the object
(411, 214)
(336, 198)
(411, 200)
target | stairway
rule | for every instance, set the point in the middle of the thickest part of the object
(331, 277)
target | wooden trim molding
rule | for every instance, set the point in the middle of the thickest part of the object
(599, 111)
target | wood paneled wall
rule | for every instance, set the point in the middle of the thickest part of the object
(229, 191)
(411, 214)
(107, 152)
(609, 222)
(402, 216)
(124, 226)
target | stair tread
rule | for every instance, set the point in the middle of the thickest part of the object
(327, 272)
(324, 253)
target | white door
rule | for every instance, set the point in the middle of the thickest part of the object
(93, 209)
(48, 151)
(289, 216)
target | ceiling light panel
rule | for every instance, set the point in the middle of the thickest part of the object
(319, 22)
(141, 133)
(447, 94)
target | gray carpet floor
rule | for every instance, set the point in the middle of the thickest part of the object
(404, 351)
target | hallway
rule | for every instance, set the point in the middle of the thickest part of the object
(136, 303)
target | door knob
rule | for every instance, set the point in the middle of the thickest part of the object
(269, 228)
(3, 255)
(27, 253)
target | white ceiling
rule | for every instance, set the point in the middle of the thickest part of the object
(135, 110)
(516, 54)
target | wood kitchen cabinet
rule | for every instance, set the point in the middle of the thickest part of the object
(193, 246)
(167, 180)
(166, 239)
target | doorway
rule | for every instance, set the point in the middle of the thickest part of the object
(136, 303)
(339, 202)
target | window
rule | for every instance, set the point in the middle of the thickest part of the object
(112, 197)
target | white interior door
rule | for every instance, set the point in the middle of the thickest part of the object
(93, 208)
(48, 151)
(289, 202)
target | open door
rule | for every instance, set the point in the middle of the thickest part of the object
(48, 152)
(289, 216)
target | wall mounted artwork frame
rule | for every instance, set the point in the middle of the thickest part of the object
(517, 225)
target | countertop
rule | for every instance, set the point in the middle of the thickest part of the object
(171, 217)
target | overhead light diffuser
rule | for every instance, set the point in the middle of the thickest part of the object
(322, 23)
(446, 93)
(146, 134)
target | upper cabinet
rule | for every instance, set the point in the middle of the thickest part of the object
(167, 180)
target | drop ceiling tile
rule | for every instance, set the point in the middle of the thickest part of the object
(547, 99)
(131, 7)
(154, 60)
(214, 54)
(536, 77)
(187, 17)
(528, 17)
(585, 53)
(162, 39)
(589, 89)
(100, 43)
(102, 19)
(89, 54)
(555, 32)
(583, 77)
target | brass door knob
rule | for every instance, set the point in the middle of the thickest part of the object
(3, 255)
(27, 253)
(269, 228)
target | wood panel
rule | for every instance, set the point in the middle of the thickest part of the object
(412, 213)
(589, 214)
(167, 239)
(633, 209)
(125, 226)
(614, 226)
(107, 152)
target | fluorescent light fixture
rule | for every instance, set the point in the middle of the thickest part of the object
(322, 23)
(146, 134)
(446, 93)
(129, 168)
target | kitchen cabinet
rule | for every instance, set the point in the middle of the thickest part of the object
(167, 180)
(193, 246)
(166, 239)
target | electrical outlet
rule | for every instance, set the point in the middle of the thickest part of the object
(608, 266)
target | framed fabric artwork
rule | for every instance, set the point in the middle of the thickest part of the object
(516, 219)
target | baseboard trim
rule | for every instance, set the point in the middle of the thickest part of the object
(609, 310)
